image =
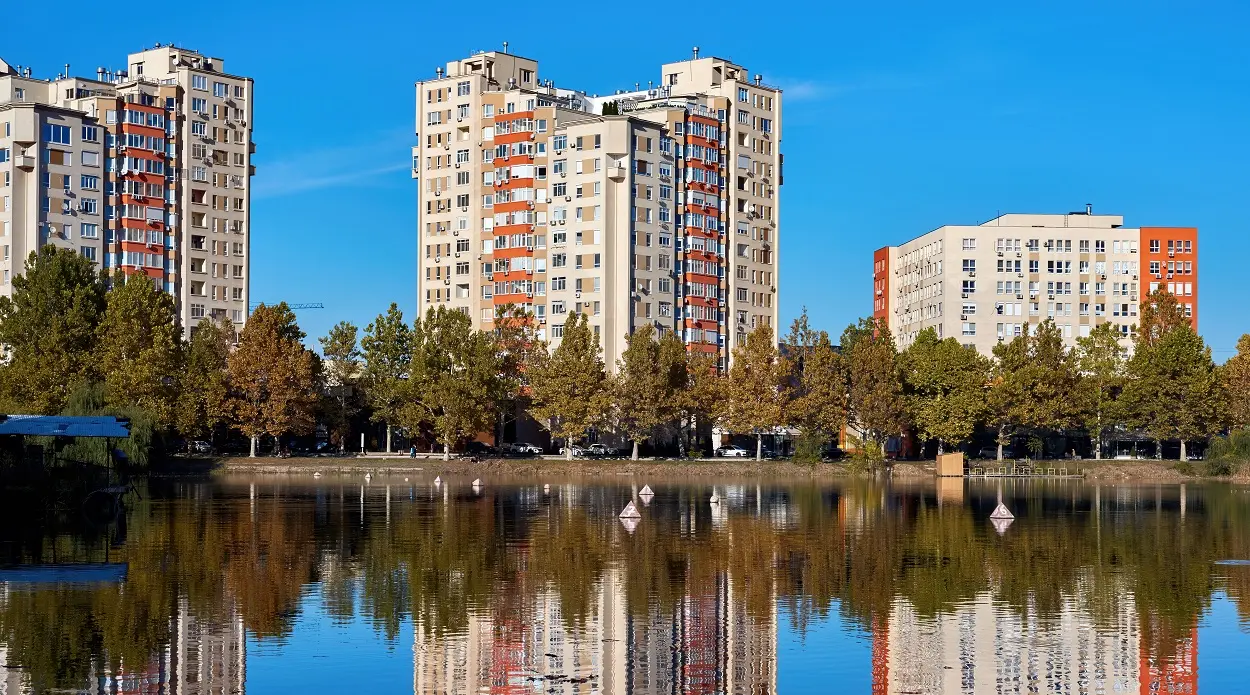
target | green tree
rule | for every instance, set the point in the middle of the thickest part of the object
(817, 377)
(455, 373)
(140, 348)
(203, 403)
(641, 386)
(48, 326)
(1173, 390)
(273, 377)
(387, 348)
(1100, 360)
(945, 387)
(342, 369)
(569, 386)
(875, 406)
(1235, 375)
(1035, 382)
(1160, 313)
(755, 388)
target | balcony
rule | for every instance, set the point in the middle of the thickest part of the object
(616, 173)
(24, 161)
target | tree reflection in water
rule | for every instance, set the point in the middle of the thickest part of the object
(549, 585)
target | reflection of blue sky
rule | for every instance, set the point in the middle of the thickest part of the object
(833, 656)
(323, 654)
(1222, 649)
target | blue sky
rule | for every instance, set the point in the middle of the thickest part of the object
(899, 117)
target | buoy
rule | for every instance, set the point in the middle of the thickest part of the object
(477, 482)
(317, 474)
(405, 480)
(646, 490)
(368, 477)
(630, 512)
(546, 487)
(715, 499)
(438, 480)
(1001, 512)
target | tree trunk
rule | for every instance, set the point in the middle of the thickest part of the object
(1158, 449)
(1098, 438)
(1001, 432)
(1183, 458)
(634, 457)
(940, 451)
(568, 449)
(388, 437)
(759, 446)
(446, 452)
(253, 443)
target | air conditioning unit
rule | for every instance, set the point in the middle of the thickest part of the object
(568, 198)
(1019, 296)
(455, 232)
(964, 295)
(447, 281)
(541, 320)
(438, 259)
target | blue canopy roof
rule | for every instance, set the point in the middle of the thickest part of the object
(65, 426)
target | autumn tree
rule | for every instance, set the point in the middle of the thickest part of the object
(1172, 390)
(1235, 375)
(755, 388)
(569, 386)
(1100, 360)
(272, 376)
(1160, 313)
(341, 370)
(875, 406)
(944, 386)
(140, 348)
(203, 403)
(697, 383)
(454, 375)
(1035, 382)
(817, 383)
(49, 328)
(642, 389)
(387, 351)
(517, 344)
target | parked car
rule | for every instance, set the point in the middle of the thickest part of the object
(601, 451)
(730, 450)
(199, 447)
(524, 449)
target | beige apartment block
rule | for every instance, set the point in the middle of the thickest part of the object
(144, 170)
(649, 206)
(983, 284)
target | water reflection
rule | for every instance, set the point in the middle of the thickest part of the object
(538, 587)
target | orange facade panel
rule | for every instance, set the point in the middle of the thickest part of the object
(1170, 261)
(881, 284)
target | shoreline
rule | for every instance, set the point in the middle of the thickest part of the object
(1104, 471)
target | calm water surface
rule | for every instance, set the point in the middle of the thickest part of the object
(275, 585)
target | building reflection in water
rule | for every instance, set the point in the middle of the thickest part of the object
(1072, 598)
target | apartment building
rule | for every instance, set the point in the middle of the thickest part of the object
(984, 283)
(647, 206)
(144, 170)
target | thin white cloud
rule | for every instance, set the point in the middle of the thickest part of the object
(330, 167)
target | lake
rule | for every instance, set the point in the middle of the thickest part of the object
(277, 584)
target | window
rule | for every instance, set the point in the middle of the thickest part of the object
(219, 90)
(88, 252)
(199, 82)
(969, 286)
(969, 328)
(462, 89)
(970, 265)
(560, 142)
(58, 134)
(90, 133)
(970, 244)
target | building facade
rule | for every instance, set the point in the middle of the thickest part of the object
(650, 206)
(983, 284)
(144, 170)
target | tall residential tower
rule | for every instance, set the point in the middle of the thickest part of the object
(655, 205)
(145, 170)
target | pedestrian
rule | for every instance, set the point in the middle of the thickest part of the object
(412, 451)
